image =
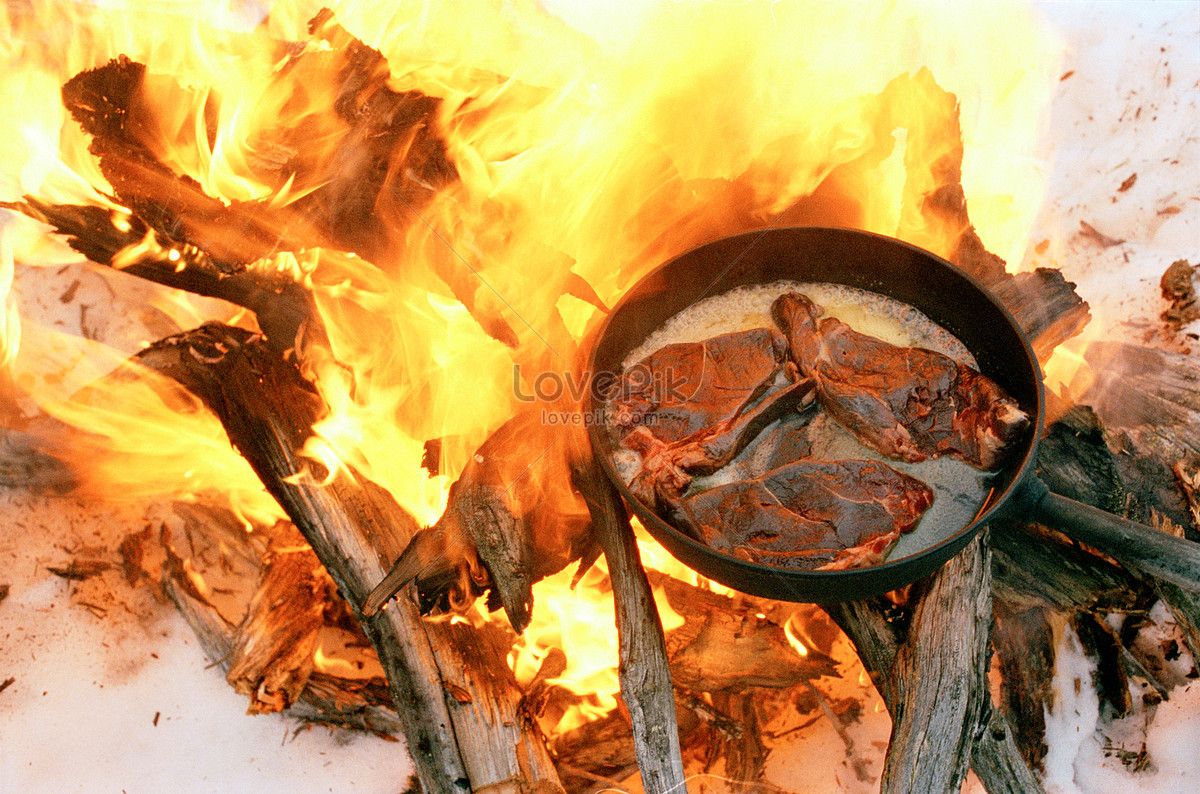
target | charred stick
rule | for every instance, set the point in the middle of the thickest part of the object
(280, 305)
(458, 703)
(643, 669)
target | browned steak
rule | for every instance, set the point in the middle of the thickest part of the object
(684, 388)
(809, 514)
(689, 408)
(905, 402)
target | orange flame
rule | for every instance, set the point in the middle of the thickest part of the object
(584, 156)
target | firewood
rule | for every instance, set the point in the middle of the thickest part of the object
(725, 646)
(512, 518)
(940, 675)
(104, 101)
(1037, 567)
(461, 708)
(272, 656)
(643, 669)
(1101, 642)
(390, 160)
(326, 699)
(1152, 395)
(947, 721)
(1045, 306)
(387, 157)
(1025, 644)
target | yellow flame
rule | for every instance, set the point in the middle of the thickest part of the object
(790, 631)
(585, 152)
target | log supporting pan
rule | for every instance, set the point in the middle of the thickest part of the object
(947, 296)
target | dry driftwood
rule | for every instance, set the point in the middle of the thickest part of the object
(461, 710)
(948, 719)
(643, 668)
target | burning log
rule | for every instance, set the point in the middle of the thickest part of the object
(462, 714)
(724, 645)
(376, 129)
(512, 519)
(1152, 394)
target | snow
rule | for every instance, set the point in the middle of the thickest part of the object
(119, 697)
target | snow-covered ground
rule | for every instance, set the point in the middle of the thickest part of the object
(116, 695)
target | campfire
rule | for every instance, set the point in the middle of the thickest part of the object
(344, 271)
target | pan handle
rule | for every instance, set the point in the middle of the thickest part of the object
(1143, 548)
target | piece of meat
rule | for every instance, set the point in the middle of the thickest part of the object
(684, 388)
(809, 514)
(668, 469)
(906, 402)
(689, 408)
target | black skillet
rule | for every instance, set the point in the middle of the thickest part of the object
(947, 296)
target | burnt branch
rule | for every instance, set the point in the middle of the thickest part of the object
(281, 306)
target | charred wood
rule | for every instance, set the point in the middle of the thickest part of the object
(744, 753)
(387, 158)
(1036, 567)
(105, 101)
(1112, 661)
(1045, 306)
(390, 158)
(461, 709)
